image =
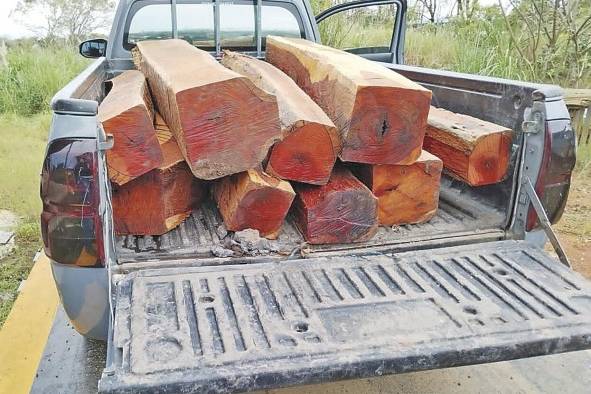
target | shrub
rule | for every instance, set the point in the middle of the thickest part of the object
(34, 74)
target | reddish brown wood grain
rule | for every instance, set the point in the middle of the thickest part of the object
(407, 194)
(380, 114)
(160, 200)
(255, 200)
(472, 149)
(342, 211)
(310, 142)
(223, 123)
(127, 113)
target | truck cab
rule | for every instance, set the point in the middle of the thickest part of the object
(473, 285)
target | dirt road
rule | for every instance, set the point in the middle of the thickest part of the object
(574, 229)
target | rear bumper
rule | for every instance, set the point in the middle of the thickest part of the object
(84, 293)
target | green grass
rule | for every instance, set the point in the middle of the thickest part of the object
(34, 74)
(15, 267)
(21, 155)
(483, 47)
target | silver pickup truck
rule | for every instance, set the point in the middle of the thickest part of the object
(473, 285)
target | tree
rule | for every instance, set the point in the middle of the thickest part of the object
(551, 35)
(466, 8)
(73, 20)
(430, 6)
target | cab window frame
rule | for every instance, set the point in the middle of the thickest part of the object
(138, 5)
(396, 50)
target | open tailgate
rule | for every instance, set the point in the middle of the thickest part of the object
(247, 327)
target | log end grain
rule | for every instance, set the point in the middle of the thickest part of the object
(381, 115)
(489, 160)
(156, 202)
(311, 142)
(255, 200)
(407, 194)
(342, 211)
(387, 126)
(306, 155)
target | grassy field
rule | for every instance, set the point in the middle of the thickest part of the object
(21, 154)
(33, 76)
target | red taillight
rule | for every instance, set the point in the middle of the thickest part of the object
(70, 223)
(558, 161)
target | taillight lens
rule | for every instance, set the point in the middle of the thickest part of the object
(70, 223)
(558, 162)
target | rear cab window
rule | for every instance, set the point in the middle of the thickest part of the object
(152, 20)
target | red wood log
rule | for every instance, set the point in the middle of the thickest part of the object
(222, 122)
(160, 200)
(380, 114)
(310, 142)
(127, 113)
(406, 194)
(342, 211)
(254, 200)
(472, 150)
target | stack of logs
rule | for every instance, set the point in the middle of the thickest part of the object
(333, 138)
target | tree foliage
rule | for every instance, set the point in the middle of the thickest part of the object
(553, 36)
(73, 20)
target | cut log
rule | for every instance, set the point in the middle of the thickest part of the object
(472, 150)
(254, 200)
(222, 122)
(310, 142)
(342, 211)
(407, 194)
(171, 154)
(160, 200)
(128, 114)
(380, 114)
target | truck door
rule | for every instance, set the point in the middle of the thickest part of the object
(373, 29)
(242, 327)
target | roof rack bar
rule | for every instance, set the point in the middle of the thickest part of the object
(175, 33)
(216, 28)
(257, 28)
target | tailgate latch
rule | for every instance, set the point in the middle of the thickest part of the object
(534, 125)
(107, 144)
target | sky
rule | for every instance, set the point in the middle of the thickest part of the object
(8, 26)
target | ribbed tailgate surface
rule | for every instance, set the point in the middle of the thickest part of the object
(237, 328)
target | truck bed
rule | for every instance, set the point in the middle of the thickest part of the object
(203, 235)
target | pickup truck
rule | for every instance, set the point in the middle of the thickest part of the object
(473, 285)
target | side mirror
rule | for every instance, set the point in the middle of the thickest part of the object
(94, 49)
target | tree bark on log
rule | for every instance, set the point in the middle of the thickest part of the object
(380, 114)
(254, 200)
(406, 194)
(222, 122)
(128, 114)
(342, 211)
(160, 200)
(471, 149)
(310, 142)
